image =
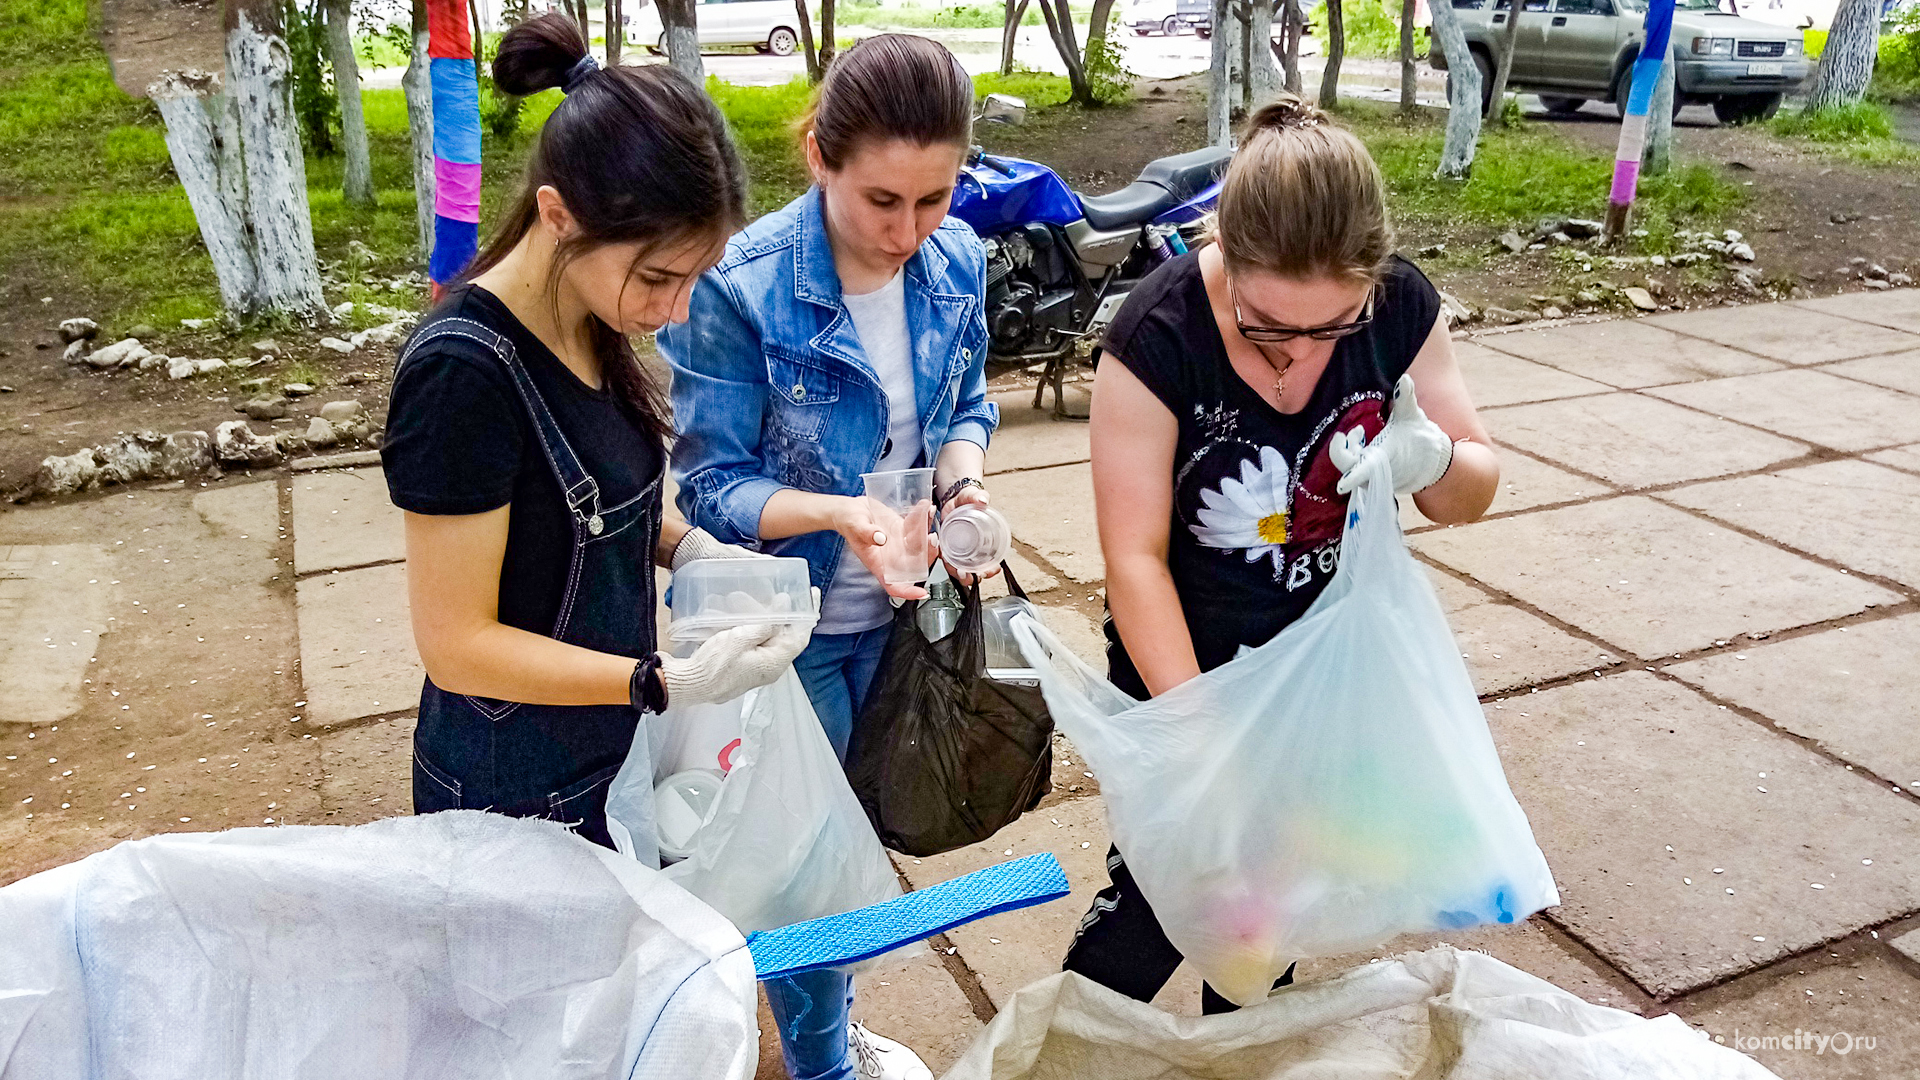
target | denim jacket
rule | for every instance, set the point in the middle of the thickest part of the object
(771, 388)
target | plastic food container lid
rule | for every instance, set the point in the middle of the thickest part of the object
(712, 595)
(682, 803)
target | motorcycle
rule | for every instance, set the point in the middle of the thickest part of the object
(1059, 263)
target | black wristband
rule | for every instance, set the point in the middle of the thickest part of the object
(646, 690)
(958, 486)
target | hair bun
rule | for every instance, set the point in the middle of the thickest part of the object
(539, 54)
(1285, 113)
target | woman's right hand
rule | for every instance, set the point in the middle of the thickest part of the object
(868, 527)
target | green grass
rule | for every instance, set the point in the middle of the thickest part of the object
(1372, 28)
(1896, 71)
(1861, 132)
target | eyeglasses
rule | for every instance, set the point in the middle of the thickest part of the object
(1330, 332)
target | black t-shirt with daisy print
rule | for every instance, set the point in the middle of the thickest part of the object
(1256, 520)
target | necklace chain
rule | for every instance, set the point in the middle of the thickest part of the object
(1279, 374)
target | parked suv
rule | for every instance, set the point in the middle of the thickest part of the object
(1574, 51)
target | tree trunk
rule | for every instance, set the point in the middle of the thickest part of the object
(203, 139)
(1336, 52)
(358, 186)
(829, 48)
(1099, 22)
(281, 225)
(681, 19)
(1060, 28)
(1846, 65)
(1294, 27)
(616, 32)
(1658, 156)
(1010, 33)
(417, 85)
(1509, 37)
(1220, 77)
(806, 41)
(1264, 80)
(1409, 75)
(1463, 94)
(479, 41)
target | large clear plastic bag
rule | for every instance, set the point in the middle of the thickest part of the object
(1318, 795)
(786, 840)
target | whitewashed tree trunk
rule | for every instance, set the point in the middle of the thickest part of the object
(257, 80)
(1846, 65)
(1463, 97)
(680, 18)
(1264, 79)
(1657, 158)
(1509, 36)
(206, 159)
(358, 184)
(417, 86)
(1336, 52)
(1220, 77)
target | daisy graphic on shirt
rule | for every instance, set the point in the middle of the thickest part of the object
(1249, 514)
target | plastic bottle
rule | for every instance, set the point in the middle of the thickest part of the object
(940, 612)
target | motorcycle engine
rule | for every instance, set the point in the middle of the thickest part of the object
(1010, 292)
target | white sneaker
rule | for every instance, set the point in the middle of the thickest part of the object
(883, 1059)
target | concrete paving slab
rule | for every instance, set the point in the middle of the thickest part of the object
(356, 644)
(1627, 353)
(1779, 332)
(1031, 438)
(1634, 441)
(248, 511)
(1506, 648)
(366, 772)
(1898, 308)
(1852, 993)
(1849, 689)
(1648, 577)
(917, 1003)
(1908, 945)
(1525, 483)
(1496, 378)
(1858, 514)
(1639, 789)
(1811, 406)
(54, 601)
(1078, 632)
(1900, 457)
(1051, 510)
(1032, 579)
(343, 519)
(1535, 946)
(1897, 371)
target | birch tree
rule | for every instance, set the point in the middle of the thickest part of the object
(1463, 93)
(358, 185)
(1293, 26)
(237, 152)
(1846, 64)
(1010, 33)
(1509, 39)
(682, 23)
(1336, 52)
(417, 86)
(1220, 74)
(1658, 156)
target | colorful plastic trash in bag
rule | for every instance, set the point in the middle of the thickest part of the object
(1318, 795)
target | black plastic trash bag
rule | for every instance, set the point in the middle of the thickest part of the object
(943, 756)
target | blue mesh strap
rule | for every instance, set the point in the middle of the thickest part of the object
(838, 940)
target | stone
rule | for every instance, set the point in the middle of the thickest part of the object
(202, 367)
(234, 443)
(1582, 228)
(1513, 242)
(67, 473)
(357, 656)
(1052, 512)
(1506, 648)
(196, 324)
(1647, 579)
(1030, 438)
(343, 309)
(1552, 312)
(387, 334)
(320, 434)
(355, 378)
(1899, 280)
(1849, 691)
(1628, 353)
(296, 389)
(266, 408)
(1732, 236)
(1633, 441)
(181, 368)
(1876, 284)
(1456, 311)
(1500, 316)
(345, 519)
(347, 461)
(1812, 406)
(142, 330)
(1640, 298)
(154, 361)
(183, 454)
(334, 344)
(54, 602)
(341, 412)
(127, 458)
(266, 347)
(127, 350)
(81, 329)
(1787, 333)
(1896, 371)
(1743, 252)
(1877, 272)
(75, 352)
(1614, 771)
(1862, 516)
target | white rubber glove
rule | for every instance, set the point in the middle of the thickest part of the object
(732, 662)
(700, 544)
(1411, 451)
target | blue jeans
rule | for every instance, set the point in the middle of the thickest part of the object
(811, 1009)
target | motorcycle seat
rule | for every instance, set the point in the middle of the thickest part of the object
(1162, 185)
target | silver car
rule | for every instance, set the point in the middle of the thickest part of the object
(1574, 51)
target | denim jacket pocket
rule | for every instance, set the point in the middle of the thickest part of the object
(801, 396)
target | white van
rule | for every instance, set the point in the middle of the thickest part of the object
(768, 25)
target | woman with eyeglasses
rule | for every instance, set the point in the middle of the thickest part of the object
(1238, 383)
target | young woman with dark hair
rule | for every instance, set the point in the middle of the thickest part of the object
(525, 444)
(844, 334)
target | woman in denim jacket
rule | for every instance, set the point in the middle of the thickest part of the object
(841, 335)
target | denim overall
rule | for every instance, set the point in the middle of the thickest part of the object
(549, 761)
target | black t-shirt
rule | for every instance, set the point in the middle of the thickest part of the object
(1256, 521)
(459, 441)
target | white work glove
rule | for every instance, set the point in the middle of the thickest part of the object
(732, 662)
(1411, 451)
(700, 544)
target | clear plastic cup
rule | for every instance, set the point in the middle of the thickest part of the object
(682, 803)
(902, 506)
(974, 539)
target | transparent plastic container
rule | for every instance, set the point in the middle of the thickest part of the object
(682, 803)
(1003, 652)
(901, 503)
(974, 539)
(712, 595)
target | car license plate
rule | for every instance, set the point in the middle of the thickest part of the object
(1766, 69)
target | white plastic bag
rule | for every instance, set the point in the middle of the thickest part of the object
(787, 841)
(459, 944)
(1318, 795)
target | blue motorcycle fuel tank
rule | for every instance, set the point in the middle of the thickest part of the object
(993, 202)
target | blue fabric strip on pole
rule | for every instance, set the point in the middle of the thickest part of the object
(456, 111)
(1646, 70)
(454, 244)
(838, 940)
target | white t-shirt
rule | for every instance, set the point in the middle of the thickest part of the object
(855, 600)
